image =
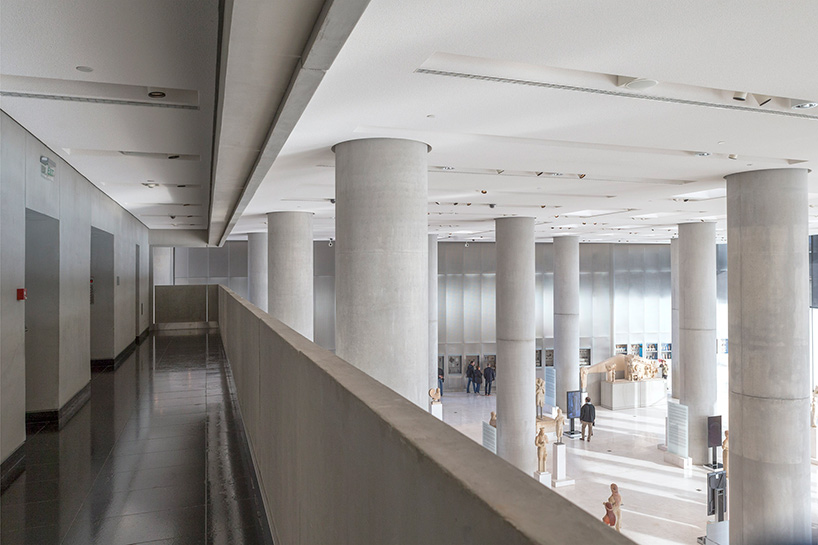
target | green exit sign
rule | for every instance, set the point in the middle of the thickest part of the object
(48, 168)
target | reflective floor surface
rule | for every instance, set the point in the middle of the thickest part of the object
(661, 504)
(156, 456)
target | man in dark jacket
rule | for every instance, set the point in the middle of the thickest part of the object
(477, 378)
(587, 415)
(469, 376)
(489, 375)
(440, 379)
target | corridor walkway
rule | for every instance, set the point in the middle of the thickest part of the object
(156, 456)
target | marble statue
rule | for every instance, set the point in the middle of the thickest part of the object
(609, 518)
(610, 371)
(542, 450)
(540, 396)
(616, 503)
(725, 453)
(812, 415)
(560, 422)
(493, 419)
(434, 394)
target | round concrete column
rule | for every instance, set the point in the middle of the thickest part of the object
(768, 309)
(433, 311)
(516, 399)
(566, 316)
(290, 270)
(257, 269)
(381, 262)
(697, 330)
(676, 362)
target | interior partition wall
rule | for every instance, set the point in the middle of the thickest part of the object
(624, 302)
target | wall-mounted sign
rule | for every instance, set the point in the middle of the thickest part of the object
(48, 168)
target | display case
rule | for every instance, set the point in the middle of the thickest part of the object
(652, 351)
(549, 357)
(635, 349)
(666, 351)
(584, 356)
(621, 349)
(538, 358)
(455, 365)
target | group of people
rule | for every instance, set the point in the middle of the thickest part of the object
(475, 377)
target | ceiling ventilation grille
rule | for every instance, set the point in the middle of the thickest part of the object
(615, 93)
(98, 100)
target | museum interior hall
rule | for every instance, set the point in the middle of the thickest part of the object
(427, 272)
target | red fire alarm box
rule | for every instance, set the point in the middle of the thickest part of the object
(21, 294)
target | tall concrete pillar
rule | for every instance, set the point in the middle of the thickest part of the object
(516, 400)
(257, 269)
(676, 362)
(290, 270)
(566, 316)
(381, 262)
(768, 310)
(433, 311)
(697, 330)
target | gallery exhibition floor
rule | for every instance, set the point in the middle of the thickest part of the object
(661, 504)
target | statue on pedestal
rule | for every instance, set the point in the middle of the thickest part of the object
(434, 395)
(725, 453)
(812, 415)
(542, 450)
(493, 419)
(540, 396)
(610, 370)
(560, 422)
(616, 503)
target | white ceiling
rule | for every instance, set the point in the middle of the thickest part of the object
(131, 46)
(637, 154)
(546, 102)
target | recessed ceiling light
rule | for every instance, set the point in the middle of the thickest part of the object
(732, 156)
(483, 191)
(173, 156)
(635, 84)
(447, 168)
(703, 154)
(157, 94)
(802, 104)
(84, 68)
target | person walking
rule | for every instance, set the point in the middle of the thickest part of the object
(489, 375)
(477, 377)
(587, 415)
(469, 376)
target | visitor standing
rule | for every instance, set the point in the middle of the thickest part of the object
(477, 377)
(489, 375)
(587, 415)
(469, 376)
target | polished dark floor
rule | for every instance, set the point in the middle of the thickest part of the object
(156, 456)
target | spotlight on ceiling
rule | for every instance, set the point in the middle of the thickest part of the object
(447, 168)
(173, 156)
(492, 205)
(84, 69)
(762, 99)
(733, 156)
(150, 184)
(635, 84)
(703, 154)
(802, 104)
(157, 94)
(741, 96)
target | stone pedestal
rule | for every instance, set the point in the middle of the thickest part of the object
(544, 478)
(626, 394)
(684, 462)
(490, 437)
(558, 465)
(437, 410)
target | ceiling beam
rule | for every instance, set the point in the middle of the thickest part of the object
(330, 32)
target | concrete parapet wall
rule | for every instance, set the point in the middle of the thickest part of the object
(341, 458)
